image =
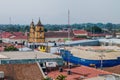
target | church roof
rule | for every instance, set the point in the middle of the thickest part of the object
(39, 23)
(54, 34)
(32, 23)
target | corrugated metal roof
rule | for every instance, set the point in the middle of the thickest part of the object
(113, 40)
(28, 55)
(3, 57)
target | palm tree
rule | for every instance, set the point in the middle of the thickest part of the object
(60, 77)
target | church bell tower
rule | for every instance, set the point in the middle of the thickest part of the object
(36, 34)
(32, 32)
(39, 33)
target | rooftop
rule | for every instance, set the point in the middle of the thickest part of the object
(14, 35)
(80, 32)
(27, 55)
(93, 52)
(106, 77)
(112, 40)
(59, 34)
(78, 72)
(115, 69)
(22, 71)
(96, 35)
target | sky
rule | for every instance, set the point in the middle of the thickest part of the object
(56, 11)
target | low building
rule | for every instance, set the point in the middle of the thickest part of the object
(108, 36)
(117, 35)
(17, 57)
(18, 39)
(80, 32)
(96, 35)
(58, 36)
(15, 37)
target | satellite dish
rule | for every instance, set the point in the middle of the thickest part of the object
(110, 77)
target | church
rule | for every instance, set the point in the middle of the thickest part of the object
(36, 33)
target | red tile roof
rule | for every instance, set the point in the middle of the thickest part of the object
(96, 35)
(14, 35)
(115, 69)
(75, 39)
(19, 37)
(5, 34)
(18, 33)
(61, 34)
(3, 45)
(79, 32)
(19, 46)
(1, 48)
(87, 72)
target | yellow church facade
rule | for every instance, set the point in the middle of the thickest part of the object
(36, 33)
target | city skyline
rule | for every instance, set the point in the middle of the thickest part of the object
(56, 11)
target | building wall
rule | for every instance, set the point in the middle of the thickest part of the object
(19, 41)
(6, 40)
(39, 34)
(26, 61)
(54, 39)
(81, 34)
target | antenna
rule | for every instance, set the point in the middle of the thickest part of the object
(69, 66)
(68, 24)
(68, 17)
(68, 28)
(10, 20)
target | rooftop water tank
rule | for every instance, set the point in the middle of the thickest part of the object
(1, 74)
(110, 77)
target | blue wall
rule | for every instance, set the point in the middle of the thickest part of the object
(67, 56)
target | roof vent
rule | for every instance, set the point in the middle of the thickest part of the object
(82, 77)
(1, 75)
(60, 69)
(110, 77)
(70, 66)
(69, 72)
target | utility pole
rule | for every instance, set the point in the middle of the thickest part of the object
(69, 66)
(101, 60)
(10, 25)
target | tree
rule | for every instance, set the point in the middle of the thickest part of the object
(10, 48)
(47, 78)
(109, 26)
(60, 77)
(94, 29)
(45, 29)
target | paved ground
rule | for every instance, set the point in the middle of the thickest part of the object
(95, 52)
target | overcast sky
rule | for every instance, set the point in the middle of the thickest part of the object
(56, 11)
